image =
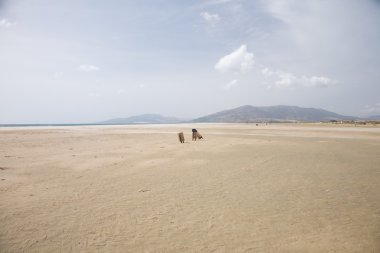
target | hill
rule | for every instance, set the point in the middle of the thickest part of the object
(250, 113)
(144, 118)
(374, 117)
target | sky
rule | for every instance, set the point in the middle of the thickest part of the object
(79, 61)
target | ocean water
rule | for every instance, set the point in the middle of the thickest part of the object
(83, 124)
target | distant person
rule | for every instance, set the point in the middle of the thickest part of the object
(194, 134)
(181, 137)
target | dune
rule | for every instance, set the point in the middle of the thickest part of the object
(243, 188)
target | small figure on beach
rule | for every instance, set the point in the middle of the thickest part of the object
(196, 135)
(181, 137)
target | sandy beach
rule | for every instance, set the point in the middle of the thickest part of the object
(244, 188)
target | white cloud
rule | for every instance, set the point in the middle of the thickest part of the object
(120, 91)
(267, 72)
(4, 23)
(215, 2)
(219, 1)
(282, 78)
(94, 95)
(239, 60)
(318, 81)
(287, 79)
(57, 75)
(280, 9)
(88, 68)
(211, 19)
(231, 84)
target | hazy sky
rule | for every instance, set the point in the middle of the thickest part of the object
(87, 60)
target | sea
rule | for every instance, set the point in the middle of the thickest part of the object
(83, 124)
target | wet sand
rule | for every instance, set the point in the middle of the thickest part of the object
(244, 188)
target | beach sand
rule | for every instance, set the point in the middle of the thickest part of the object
(244, 188)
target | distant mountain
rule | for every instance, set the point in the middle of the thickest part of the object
(247, 113)
(144, 118)
(250, 113)
(374, 117)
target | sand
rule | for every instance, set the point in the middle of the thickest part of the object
(244, 188)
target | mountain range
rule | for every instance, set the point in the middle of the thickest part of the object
(279, 113)
(374, 117)
(247, 113)
(142, 119)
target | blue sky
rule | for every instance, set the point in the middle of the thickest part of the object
(85, 61)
